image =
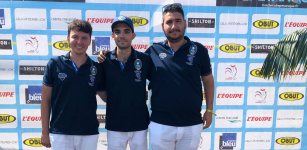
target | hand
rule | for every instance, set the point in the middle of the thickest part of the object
(207, 118)
(46, 140)
(101, 57)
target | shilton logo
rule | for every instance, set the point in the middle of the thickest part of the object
(256, 73)
(5, 44)
(101, 118)
(291, 96)
(265, 24)
(62, 45)
(232, 48)
(31, 70)
(201, 22)
(6, 118)
(261, 48)
(138, 21)
(288, 141)
(34, 142)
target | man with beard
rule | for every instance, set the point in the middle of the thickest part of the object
(125, 71)
(176, 101)
(176, 122)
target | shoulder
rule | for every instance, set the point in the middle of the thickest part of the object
(201, 49)
(55, 60)
(155, 47)
(200, 46)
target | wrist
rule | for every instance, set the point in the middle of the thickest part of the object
(210, 111)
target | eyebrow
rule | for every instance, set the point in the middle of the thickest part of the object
(124, 30)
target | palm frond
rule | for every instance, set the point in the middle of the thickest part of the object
(286, 56)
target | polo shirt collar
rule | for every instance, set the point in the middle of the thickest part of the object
(133, 54)
(67, 57)
(184, 45)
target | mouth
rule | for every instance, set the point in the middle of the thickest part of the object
(174, 31)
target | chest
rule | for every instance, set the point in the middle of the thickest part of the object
(68, 74)
(133, 72)
(181, 62)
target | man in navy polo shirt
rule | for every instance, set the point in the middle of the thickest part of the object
(126, 70)
(70, 85)
(176, 122)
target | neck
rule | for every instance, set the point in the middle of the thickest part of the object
(123, 54)
(175, 46)
(78, 59)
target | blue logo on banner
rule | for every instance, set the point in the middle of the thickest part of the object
(35, 93)
(229, 139)
(101, 43)
(2, 19)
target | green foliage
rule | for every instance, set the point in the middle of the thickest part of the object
(287, 55)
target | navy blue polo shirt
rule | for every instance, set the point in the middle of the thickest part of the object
(126, 88)
(176, 84)
(73, 99)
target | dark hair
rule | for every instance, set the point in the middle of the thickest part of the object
(80, 25)
(172, 9)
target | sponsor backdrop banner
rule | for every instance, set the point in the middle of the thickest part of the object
(252, 113)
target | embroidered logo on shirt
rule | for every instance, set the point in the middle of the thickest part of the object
(138, 64)
(162, 56)
(62, 76)
(138, 75)
(92, 79)
(93, 70)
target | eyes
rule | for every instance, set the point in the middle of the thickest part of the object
(117, 32)
(171, 21)
(76, 37)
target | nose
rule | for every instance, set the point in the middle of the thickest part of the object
(79, 41)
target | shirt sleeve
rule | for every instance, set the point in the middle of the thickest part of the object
(205, 60)
(102, 83)
(48, 78)
(149, 68)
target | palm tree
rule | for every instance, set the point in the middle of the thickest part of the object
(289, 54)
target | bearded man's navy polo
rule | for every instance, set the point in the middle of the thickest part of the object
(176, 83)
(73, 99)
(126, 89)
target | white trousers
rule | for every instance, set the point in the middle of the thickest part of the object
(164, 137)
(73, 142)
(119, 140)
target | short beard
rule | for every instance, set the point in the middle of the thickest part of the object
(175, 40)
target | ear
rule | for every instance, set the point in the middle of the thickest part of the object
(90, 42)
(112, 34)
(185, 22)
(133, 36)
(162, 26)
(68, 39)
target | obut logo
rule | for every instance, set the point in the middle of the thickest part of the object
(6, 118)
(62, 45)
(265, 24)
(256, 73)
(139, 21)
(232, 48)
(288, 141)
(34, 142)
(291, 96)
